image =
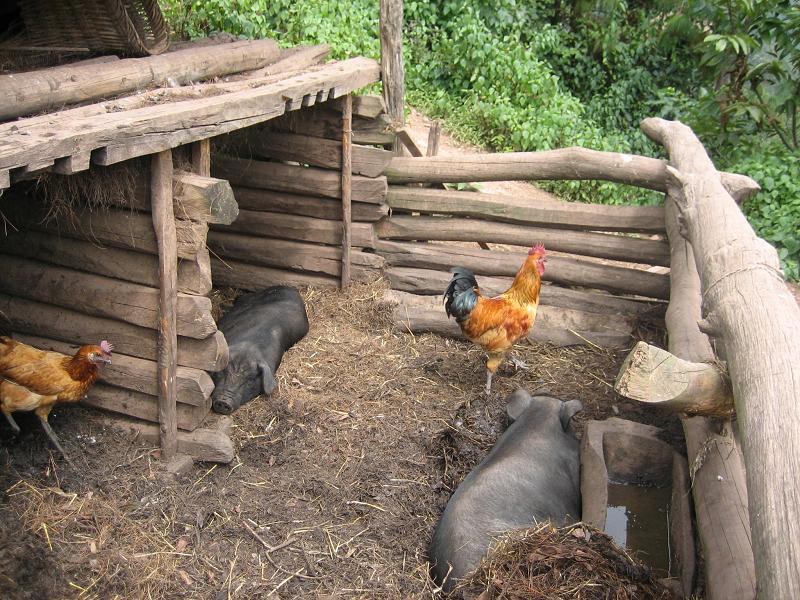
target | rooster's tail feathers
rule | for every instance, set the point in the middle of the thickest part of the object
(460, 296)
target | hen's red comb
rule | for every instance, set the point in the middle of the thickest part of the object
(537, 249)
(106, 347)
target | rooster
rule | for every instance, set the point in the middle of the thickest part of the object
(33, 379)
(496, 324)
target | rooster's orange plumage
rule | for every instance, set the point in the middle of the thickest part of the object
(496, 324)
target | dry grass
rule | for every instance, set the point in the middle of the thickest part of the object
(336, 488)
(577, 562)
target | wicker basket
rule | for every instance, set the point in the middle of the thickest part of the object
(129, 26)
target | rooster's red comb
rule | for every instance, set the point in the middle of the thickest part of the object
(537, 249)
(106, 347)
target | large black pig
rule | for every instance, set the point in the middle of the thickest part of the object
(259, 328)
(531, 475)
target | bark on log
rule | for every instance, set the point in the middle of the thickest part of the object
(554, 325)
(291, 60)
(508, 209)
(315, 151)
(347, 188)
(194, 385)
(749, 306)
(304, 229)
(428, 282)
(565, 163)
(26, 93)
(296, 256)
(617, 247)
(207, 444)
(249, 277)
(719, 487)
(393, 71)
(142, 406)
(560, 269)
(27, 316)
(102, 297)
(309, 206)
(654, 376)
(297, 180)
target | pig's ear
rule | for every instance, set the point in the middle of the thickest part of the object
(568, 410)
(268, 379)
(517, 403)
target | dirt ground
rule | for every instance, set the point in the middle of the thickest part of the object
(337, 484)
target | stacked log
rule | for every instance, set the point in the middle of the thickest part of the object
(286, 177)
(614, 296)
(94, 275)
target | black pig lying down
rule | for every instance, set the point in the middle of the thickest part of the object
(259, 328)
(531, 475)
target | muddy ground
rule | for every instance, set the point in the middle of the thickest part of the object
(337, 484)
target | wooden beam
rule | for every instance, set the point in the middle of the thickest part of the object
(554, 325)
(233, 273)
(324, 121)
(347, 153)
(392, 66)
(296, 179)
(207, 443)
(751, 312)
(194, 276)
(35, 91)
(315, 151)
(563, 270)
(654, 376)
(602, 245)
(564, 163)
(103, 297)
(201, 157)
(404, 137)
(308, 206)
(528, 211)
(164, 225)
(304, 229)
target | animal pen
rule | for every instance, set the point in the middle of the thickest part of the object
(277, 174)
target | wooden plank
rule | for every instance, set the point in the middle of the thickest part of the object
(154, 128)
(347, 176)
(563, 270)
(315, 151)
(296, 256)
(309, 206)
(554, 325)
(324, 122)
(37, 318)
(206, 443)
(296, 179)
(294, 227)
(99, 296)
(368, 106)
(602, 245)
(167, 238)
(231, 273)
(564, 163)
(749, 309)
(429, 282)
(404, 136)
(142, 406)
(528, 211)
(194, 276)
(201, 157)
(34, 91)
(72, 164)
(194, 386)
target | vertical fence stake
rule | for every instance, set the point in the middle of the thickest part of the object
(347, 152)
(201, 157)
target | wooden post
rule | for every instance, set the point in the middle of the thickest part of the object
(164, 224)
(434, 133)
(392, 68)
(347, 151)
(201, 157)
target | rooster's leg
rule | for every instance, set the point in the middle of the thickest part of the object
(12, 422)
(42, 414)
(491, 368)
(488, 382)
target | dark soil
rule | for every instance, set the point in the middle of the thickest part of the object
(337, 484)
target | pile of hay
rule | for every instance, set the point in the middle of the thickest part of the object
(577, 562)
